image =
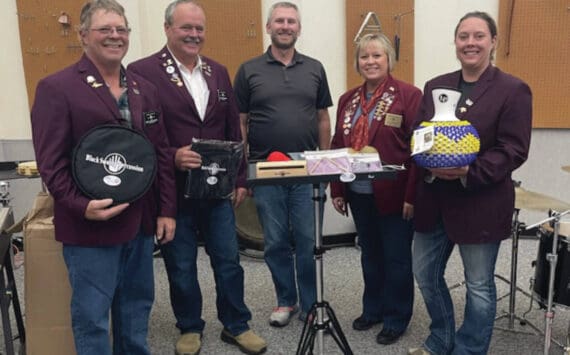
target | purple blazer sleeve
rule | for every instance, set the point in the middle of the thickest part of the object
(51, 118)
(181, 118)
(66, 106)
(500, 108)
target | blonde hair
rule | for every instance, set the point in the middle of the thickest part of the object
(382, 41)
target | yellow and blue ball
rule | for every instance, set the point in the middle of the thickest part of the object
(456, 143)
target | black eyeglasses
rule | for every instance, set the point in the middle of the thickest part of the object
(107, 30)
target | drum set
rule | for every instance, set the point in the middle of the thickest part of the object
(550, 285)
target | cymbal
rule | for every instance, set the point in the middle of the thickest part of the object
(566, 168)
(529, 200)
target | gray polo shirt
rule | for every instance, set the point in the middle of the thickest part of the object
(282, 102)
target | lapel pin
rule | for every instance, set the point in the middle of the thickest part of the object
(462, 109)
(170, 69)
(93, 82)
(468, 102)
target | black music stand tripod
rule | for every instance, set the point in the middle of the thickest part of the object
(321, 318)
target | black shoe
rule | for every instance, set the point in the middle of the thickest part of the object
(388, 336)
(362, 323)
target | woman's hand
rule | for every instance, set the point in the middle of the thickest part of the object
(340, 205)
(408, 211)
(450, 174)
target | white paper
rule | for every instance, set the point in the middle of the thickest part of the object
(423, 139)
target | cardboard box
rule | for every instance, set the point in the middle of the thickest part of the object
(47, 290)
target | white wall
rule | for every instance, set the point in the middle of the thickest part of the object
(323, 37)
(14, 122)
(435, 22)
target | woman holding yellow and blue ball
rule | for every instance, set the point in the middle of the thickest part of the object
(472, 205)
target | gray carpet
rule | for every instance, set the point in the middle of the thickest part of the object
(343, 287)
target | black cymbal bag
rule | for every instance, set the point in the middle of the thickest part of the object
(216, 178)
(113, 161)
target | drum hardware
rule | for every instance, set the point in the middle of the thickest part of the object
(8, 291)
(248, 229)
(529, 200)
(516, 228)
(316, 324)
(552, 259)
(4, 193)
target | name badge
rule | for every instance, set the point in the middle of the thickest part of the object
(150, 118)
(222, 96)
(393, 120)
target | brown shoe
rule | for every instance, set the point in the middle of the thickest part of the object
(189, 344)
(418, 351)
(248, 342)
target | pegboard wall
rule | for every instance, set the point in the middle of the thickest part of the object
(48, 37)
(534, 45)
(396, 19)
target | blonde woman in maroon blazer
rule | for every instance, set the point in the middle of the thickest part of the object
(382, 209)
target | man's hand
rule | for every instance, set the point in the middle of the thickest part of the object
(186, 159)
(239, 195)
(408, 211)
(101, 210)
(165, 227)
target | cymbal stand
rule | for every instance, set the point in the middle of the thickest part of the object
(517, 226)
(552, 259)
(316, 324)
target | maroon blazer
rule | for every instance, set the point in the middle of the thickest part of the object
(390, 135)
(66, 106)
(181, 118)
(500, 109)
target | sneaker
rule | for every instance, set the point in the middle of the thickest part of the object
(281, 316)
(248, 342)
(189, 344)
(418, 351)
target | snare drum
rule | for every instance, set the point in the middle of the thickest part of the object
(248, 227)
(562, 274)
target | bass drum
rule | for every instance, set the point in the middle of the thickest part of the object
(561, 291)
(248, 229)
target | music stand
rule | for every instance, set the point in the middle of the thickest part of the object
(316, 325)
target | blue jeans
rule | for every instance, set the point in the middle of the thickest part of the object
(286, 213)
(215, 222)
(117, 279)
(431, 252)
(386, 257)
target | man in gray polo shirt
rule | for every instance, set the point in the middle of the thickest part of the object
(283, 98)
